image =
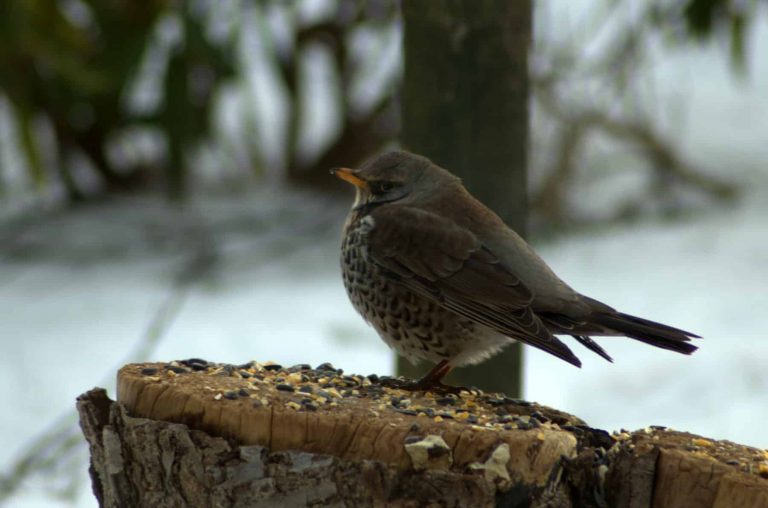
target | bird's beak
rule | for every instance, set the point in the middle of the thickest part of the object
(349, 176)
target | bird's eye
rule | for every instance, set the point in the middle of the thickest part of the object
(383, 187)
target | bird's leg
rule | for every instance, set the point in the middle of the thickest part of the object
(435, 376)
(432, 380)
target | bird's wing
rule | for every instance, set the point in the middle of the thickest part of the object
(442, 261)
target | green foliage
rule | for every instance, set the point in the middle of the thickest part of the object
(700, 16)
(191, 76)
(75, 65)
(703, 20)
(705, 17)
(72, 63)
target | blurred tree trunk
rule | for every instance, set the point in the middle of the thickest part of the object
(465, 106)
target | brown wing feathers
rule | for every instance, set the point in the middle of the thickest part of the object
(440, 260)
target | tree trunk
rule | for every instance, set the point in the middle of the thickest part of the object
(192, 433)
(465, 106)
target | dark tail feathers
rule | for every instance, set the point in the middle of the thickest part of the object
(650, 332)
(593, 346)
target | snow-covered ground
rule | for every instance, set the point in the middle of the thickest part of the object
(68, 319)
(708, 275)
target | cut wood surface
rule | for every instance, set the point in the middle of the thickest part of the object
(383, 446)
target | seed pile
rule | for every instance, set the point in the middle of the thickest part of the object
(322, 388)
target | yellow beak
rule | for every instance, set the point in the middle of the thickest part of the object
(348, 175)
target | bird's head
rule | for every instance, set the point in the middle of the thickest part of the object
(395, 176)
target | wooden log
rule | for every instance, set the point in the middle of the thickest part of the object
(198, 434)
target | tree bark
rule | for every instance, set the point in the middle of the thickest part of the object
(141, 462)
(192, 434)
(465, 106)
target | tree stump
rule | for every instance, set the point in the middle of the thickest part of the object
(193, 433)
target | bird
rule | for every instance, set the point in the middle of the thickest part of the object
(442, 278)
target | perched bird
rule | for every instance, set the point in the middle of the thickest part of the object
(442, 278)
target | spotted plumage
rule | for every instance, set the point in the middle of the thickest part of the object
(418, 328)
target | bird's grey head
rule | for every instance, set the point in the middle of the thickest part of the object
(396, 176)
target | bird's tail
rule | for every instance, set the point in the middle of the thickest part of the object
(644, 330)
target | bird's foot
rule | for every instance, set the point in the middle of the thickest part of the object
(431, 382)
(422, 385)
(436, 387)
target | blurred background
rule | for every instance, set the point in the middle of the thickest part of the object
(164, 194)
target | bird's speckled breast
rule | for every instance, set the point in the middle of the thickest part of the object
(415, 327)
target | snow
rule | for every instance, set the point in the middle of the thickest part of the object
(68, 324)
(706, 275)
